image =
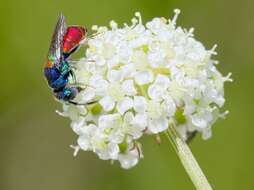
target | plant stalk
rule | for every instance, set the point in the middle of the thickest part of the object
(188, 160)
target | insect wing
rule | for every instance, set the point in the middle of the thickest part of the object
(55, 50)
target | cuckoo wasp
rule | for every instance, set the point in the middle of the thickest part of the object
(57, 70)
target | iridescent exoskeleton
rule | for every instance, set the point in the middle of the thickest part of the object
(57, 71)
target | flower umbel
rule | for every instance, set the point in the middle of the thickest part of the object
(143, 78)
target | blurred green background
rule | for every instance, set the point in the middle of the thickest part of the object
(34, 140)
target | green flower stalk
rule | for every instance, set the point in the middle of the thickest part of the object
(188, 160)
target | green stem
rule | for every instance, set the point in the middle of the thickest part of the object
(188, 160)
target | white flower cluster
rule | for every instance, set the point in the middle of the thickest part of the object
(141, 78)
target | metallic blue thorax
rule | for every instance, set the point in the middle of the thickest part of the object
(57, 75)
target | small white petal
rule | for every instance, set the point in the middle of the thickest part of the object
(128, 70)
(124, 105)
(128, 117)
(99, 84)
(88, 130)
(129, 88)
(116, 136)
(100, 61)
(113, 150)
(94, 80)
(129, 159)
(115, 91)
(77, 125)
(140, 104)
(199, 121)
(135, 132)
(170, 106)
(86, 95)
(206, 133)
(74, 112)
(103, 154)
(143, 77)
(155, 92)
(115, 75)
(109, 121)
(140, 121)
(107, 103)
(84, 142)
(158, 125)
(163, 81)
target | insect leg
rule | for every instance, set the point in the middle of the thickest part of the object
(73, 62)
(73, 76)
(81, 104)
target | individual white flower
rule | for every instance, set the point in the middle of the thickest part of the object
(75, 113)
(108, 151)
(157, 117)
(85, 138)
(119, 127)
(112, 94)
(157, 90)
(129, 159)
(142, 78)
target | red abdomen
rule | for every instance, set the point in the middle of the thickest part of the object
(72, 38)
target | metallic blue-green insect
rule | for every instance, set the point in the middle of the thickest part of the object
(65, 41)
